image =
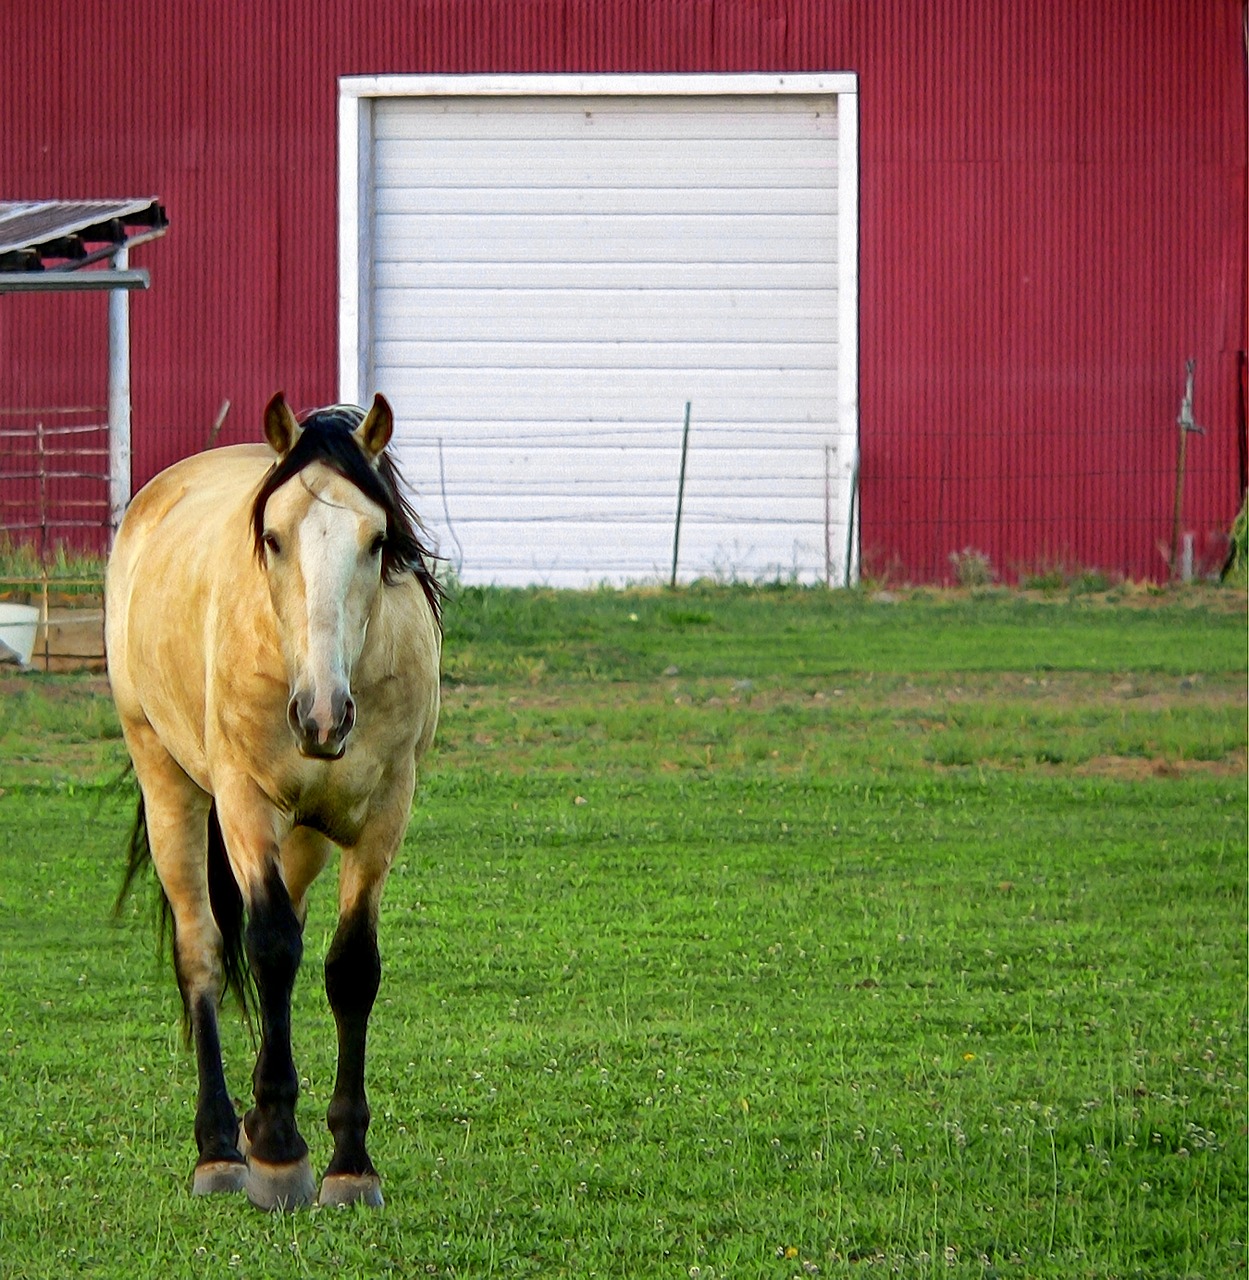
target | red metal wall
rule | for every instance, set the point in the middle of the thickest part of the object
(1053, 217)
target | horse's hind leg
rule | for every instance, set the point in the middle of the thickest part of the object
(176, 814)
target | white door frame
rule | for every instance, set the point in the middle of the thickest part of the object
(357, 95)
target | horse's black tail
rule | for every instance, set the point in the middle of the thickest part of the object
(138, 860)
(224, 897)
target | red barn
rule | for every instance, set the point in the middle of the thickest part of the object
(958, 252)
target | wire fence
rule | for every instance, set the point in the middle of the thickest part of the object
(54, 477)
(54, 488)
(624, 503)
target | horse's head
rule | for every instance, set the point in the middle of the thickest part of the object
(321, 523)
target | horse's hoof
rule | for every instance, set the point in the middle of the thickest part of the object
(219, 1177)
(350, 1188)
(280, 1186)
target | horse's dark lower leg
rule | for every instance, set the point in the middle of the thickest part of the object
(279, 1175)
(353, 971)
(197, 962)
(220, 1165)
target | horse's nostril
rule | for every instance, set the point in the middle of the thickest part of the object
(342, 712)
(299, 715)
(321, 732)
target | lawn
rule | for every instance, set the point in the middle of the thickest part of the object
(738, 934)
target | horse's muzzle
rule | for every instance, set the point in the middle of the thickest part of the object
(321, 736)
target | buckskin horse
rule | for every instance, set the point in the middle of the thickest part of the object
(273, 639)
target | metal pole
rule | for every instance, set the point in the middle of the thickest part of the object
(676, 532)
(118, 397)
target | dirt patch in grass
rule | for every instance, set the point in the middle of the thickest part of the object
(1125, 595)
(1059, 690)
(54, 690)
(1137, 768)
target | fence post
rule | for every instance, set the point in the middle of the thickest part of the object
(1186, 424)
(41, 473)
(676, 532)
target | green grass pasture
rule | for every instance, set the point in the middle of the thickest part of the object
(738, 934)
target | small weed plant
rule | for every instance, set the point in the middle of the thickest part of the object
(972, 568)
(1236, 566)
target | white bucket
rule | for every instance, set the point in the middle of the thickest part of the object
(18, 624)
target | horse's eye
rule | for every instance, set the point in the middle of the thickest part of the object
(375, 547)
(272, 545)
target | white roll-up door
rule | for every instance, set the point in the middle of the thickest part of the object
(540, 281)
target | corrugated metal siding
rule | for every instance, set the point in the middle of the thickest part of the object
(1068, 224)
(1053, 217)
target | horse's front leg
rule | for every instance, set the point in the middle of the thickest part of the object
(353, 971)
(279, 1175)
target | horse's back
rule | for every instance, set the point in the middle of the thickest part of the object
(175, 528)
(192, 495)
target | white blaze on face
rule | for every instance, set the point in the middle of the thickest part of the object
(329, 556)
(323, 561)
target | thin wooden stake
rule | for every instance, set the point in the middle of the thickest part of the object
(43, 614)
(218, 424)
(676, 532)
(41, 454)
(1186, 424)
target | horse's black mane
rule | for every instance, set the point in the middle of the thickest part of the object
(327, 438)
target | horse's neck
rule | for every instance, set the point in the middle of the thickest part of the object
(400, 629)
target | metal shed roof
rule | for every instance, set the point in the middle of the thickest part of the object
(73, 233)
(70, 234)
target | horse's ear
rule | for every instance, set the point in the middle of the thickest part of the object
(374, 433)
(281, 429)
